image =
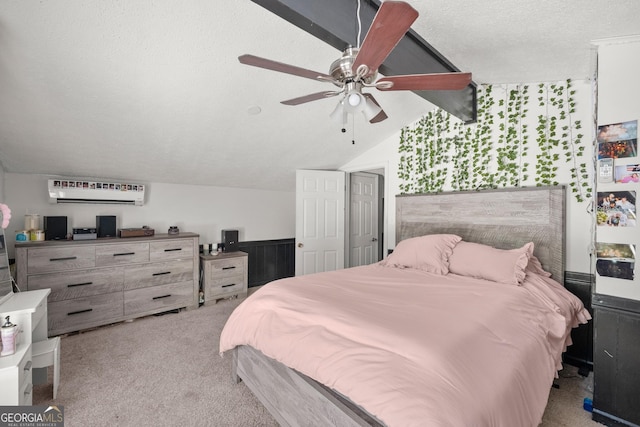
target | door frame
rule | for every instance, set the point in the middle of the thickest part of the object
(383, 230)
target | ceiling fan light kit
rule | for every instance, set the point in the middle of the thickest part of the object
(355, 102)
(357, 68)
(355, 99)
(358, 103)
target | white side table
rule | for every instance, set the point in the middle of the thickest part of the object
(28, 310)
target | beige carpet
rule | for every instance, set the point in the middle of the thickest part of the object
(166, 371)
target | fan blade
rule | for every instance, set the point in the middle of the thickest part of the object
(310, 97)
(393, 20)
(436, 81)
(256, 61)
(381, 115)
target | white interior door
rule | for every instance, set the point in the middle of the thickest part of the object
(363, 221)
(320, 217)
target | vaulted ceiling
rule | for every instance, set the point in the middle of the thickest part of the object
(152, 91)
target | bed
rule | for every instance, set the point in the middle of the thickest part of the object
(463, 324)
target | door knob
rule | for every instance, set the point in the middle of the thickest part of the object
(375, 239)
(300, 245)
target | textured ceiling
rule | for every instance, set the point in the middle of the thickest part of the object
(152, 91)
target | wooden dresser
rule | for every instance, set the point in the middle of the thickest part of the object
(224, 275)
(97, 282)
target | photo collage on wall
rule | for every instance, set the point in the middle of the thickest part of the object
(615, 260)
(618, 140)
(616, 208)
(111, 186)
(617, 164)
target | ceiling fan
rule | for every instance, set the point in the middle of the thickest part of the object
(357, 68)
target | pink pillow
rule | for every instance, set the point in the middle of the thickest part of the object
(429, 253)
(485, 262)
(535, 266)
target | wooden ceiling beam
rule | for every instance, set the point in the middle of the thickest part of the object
(335, 22)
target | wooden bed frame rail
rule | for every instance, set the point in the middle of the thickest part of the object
(293, 398)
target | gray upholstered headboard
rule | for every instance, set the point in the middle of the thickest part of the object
(504, 218)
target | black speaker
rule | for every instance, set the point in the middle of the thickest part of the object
(55, 227)
(230, 240)
(106, 225)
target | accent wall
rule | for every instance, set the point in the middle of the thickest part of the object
(579, 222)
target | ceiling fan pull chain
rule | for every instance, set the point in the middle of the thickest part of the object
(359, 26)
(353, 130)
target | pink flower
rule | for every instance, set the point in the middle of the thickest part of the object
(6, 215)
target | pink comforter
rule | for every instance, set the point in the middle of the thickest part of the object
(414, 348)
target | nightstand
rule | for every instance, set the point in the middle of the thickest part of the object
(224, 275)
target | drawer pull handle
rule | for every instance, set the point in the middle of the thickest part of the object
(67, 258)
(161, 274)
(163, 296)
(173, 250)
(73, 285)
(229, 268)
(124, 254)
(80, 311)
(226, 286)
(27, 366)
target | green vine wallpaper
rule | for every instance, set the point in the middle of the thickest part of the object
(439, 152)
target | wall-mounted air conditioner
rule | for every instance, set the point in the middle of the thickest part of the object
(103, 192)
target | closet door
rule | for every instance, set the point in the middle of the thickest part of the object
(320, 218)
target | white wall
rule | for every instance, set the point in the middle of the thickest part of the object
(206, 210)
(579, 223)
(1, 184)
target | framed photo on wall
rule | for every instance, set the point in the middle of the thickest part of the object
(618, 140)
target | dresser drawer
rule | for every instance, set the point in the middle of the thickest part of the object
(125, 253)
(77, 284)
(171, 249)
(158, 273)
(86, 312)
(227, 267)
(25, 367)
(26, 395)
(218, 287)
(157, 299)
(44, 260)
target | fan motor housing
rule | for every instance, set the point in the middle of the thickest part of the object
(341, 68)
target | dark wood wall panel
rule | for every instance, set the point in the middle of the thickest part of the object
(269, 260)
(580, 353)
(616, 377)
